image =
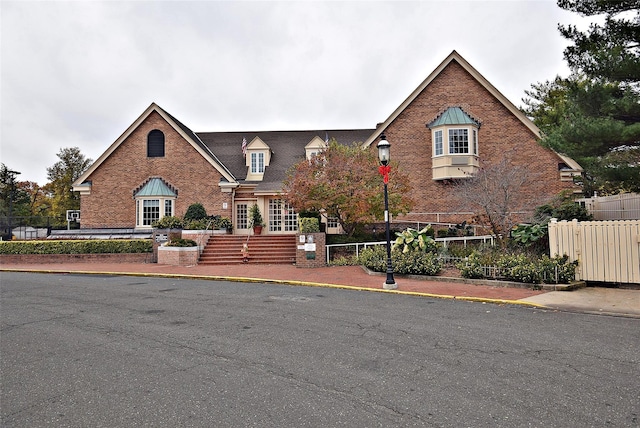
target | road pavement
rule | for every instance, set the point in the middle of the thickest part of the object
(120, 351)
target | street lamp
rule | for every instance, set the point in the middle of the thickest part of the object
(384, 154)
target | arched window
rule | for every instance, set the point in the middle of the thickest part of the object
(155, 144)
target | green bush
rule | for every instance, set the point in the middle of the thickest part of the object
(344, 261)
(520, 267)
(374, 258)
(195, 212)
(168, 222)
(472, 267)
(180, 242)
(222, 222)
(196, 224)
(308, 225)
(566, 270)
(414, 262)
(97, 246)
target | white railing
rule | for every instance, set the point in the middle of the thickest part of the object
(445, 242)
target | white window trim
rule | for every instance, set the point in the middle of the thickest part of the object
(257, 162)
(472, 140)
(162, 210)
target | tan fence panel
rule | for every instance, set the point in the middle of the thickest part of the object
(607, 251)
(616, 207)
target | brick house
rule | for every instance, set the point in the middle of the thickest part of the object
(450, 124)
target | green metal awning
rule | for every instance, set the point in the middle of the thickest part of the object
(453, 116)
(156, 187)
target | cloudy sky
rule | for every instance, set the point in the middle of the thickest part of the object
(78, 73)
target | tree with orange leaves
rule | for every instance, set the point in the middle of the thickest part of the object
(344, 182)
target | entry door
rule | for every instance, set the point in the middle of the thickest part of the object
(242, 217)
(282, 217)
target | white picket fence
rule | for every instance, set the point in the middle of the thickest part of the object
(607, 251)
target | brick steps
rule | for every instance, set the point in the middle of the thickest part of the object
(226, 249)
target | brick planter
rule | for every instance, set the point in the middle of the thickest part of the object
(178, 256)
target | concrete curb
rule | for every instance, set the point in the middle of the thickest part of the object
(284, 282)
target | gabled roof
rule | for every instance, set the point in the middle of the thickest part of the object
(453, 56)
(287, 148)
(180, 128)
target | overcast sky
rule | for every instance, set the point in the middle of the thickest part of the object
(79, 73)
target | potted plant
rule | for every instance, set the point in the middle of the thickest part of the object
(256, 219)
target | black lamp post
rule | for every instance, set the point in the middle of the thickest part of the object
(384, 153)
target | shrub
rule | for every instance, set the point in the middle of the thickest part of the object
(222, 223)
(180, 242)
(415, 262)
(195, 212)
(94, 246)
(168, 222)
(344, 261)
(309, 225)
(472, 267)
(374, 258)
(566, 271)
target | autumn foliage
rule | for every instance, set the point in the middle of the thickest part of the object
(344, 182)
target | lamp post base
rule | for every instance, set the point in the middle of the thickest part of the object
(392, 286)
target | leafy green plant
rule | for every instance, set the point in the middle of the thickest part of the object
(351, 260)
(413, 262)
(472, 266)
(308, 225)
(528, 234)
(168, 222)
(180, 242)
(196, 224)
(416, 263)
(559, 266)
(374, 258)
(222, 223)
(255, 216)
(195, 212)
(88, 246)
(415, 240)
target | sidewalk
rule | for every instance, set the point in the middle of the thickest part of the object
(591, 300)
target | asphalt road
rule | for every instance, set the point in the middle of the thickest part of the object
(104, 351)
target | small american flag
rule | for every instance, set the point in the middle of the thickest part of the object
(244, 146)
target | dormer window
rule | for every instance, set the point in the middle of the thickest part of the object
(454, 135)
(257, 163)
(316, 146)
(258, 156)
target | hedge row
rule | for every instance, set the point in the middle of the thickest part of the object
(103, 246)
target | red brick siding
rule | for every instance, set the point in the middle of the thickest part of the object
(111, 202)
(320, 254)
(500, 133)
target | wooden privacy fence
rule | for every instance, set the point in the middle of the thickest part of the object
(606, 251)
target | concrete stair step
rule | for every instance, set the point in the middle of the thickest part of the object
(226, 249)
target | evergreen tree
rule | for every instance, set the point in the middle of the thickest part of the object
(594, 115)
